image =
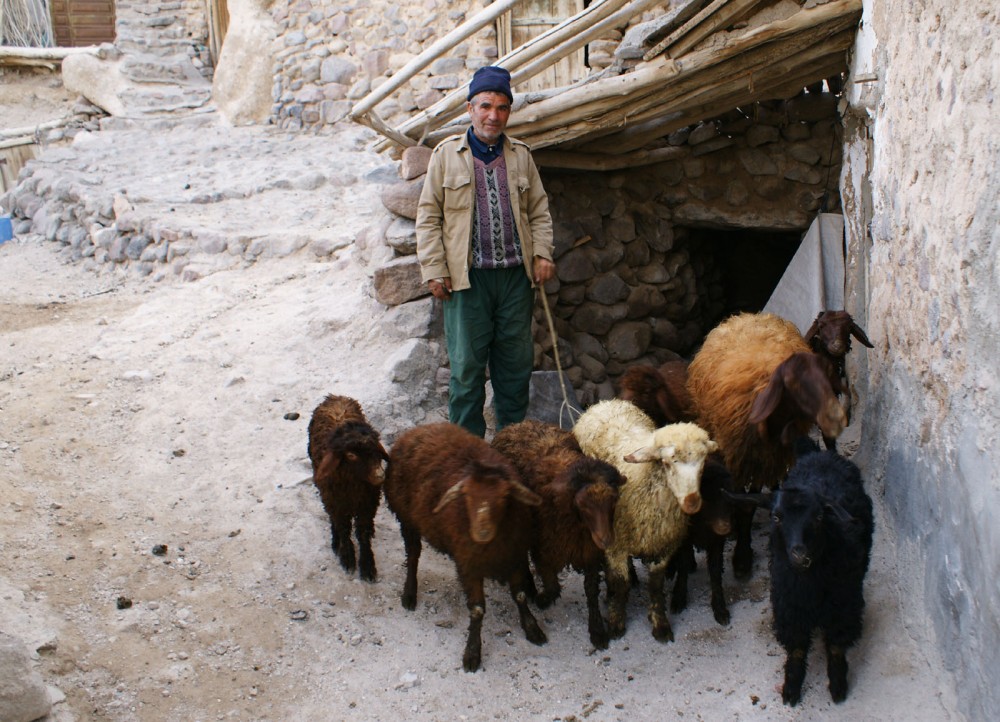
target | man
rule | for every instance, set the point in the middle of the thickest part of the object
(484, 237)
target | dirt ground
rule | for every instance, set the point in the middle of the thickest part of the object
(166, 556)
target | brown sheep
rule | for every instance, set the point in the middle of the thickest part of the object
(575, 522)
(830, 336)
(347, 458)
(756, 387)
(448, 486)
(660, 392)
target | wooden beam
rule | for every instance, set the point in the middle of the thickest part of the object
(570, 35)
(438, 48)
(605, 161)
(615, 101)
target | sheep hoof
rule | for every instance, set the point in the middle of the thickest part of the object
(743, 564)
(722, 616)
(409, 602)
(471, 661)
(599, 639)
(663, 633)
(791, 695)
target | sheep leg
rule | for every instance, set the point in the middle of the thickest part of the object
(551, 589)
(662, 631)
(836, 671)
(595, 622)
(475, 600)
(532, 632)
(366, 557)
(618, 589)
(681, 564)
(743, 554)
(412, 546)
(714, 554)
(343, 546)
(795, 672)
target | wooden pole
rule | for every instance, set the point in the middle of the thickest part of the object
(568, 36)
(662, 76)
(442, 45)
(606, 161)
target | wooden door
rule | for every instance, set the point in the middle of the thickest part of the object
(82, 22)
(528, 20)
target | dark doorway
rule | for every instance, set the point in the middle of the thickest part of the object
(748, 264)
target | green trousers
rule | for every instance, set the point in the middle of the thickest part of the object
(489, 325)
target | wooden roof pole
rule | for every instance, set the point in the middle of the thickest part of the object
(611, 94)
(703, 91)
(463, 31)
(579, 30)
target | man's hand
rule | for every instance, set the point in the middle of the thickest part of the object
(440, 288)
(545, 270)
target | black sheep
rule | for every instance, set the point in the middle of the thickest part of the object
(575, 522)
(347, 458)
(453, 489)
(821, 539)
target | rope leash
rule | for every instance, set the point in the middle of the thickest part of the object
(566, 406)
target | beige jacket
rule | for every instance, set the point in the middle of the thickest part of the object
(444, 214)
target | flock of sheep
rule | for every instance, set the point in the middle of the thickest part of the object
(680, 460)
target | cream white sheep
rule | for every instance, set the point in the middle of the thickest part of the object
(663, 471)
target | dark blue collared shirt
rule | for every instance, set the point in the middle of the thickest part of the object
(482, 151)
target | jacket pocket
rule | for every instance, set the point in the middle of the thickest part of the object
(457, 192)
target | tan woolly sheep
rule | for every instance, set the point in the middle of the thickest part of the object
(663, 471)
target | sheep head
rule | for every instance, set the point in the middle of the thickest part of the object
(799, 394)
(831, 333)
(595, 498)
(357, 445)
(486, 490)
(681, 449)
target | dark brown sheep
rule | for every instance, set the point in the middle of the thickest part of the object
(660, 392)
(575, 522)
(347, 458)
(756, 387)
(830, 337)
(709, 529)
(466, 499)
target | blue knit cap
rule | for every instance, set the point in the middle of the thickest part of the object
(491, 78)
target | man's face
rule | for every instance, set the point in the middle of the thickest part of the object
(489, 112)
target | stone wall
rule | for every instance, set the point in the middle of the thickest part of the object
(636, 280)
(920, 186)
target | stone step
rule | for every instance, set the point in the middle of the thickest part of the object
(145, 68)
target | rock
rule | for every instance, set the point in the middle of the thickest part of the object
(399, 281)
(547, 403)
(401, 235)
(402, 198)
(23, 694)
(414, 161)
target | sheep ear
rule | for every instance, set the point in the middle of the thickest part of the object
(813, 330)
(711, 447)
(859, 334)
(643, 455)
(768, 399)
(450, 496)
(383, 453)
(327, 465)
(525, 495)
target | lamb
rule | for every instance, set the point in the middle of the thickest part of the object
(830, 337)
(660, 392)
(821, 540)
(448, 486)
(575, 522)
(709, 529)
(347, 458)
(756, 387)
(662, 468)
